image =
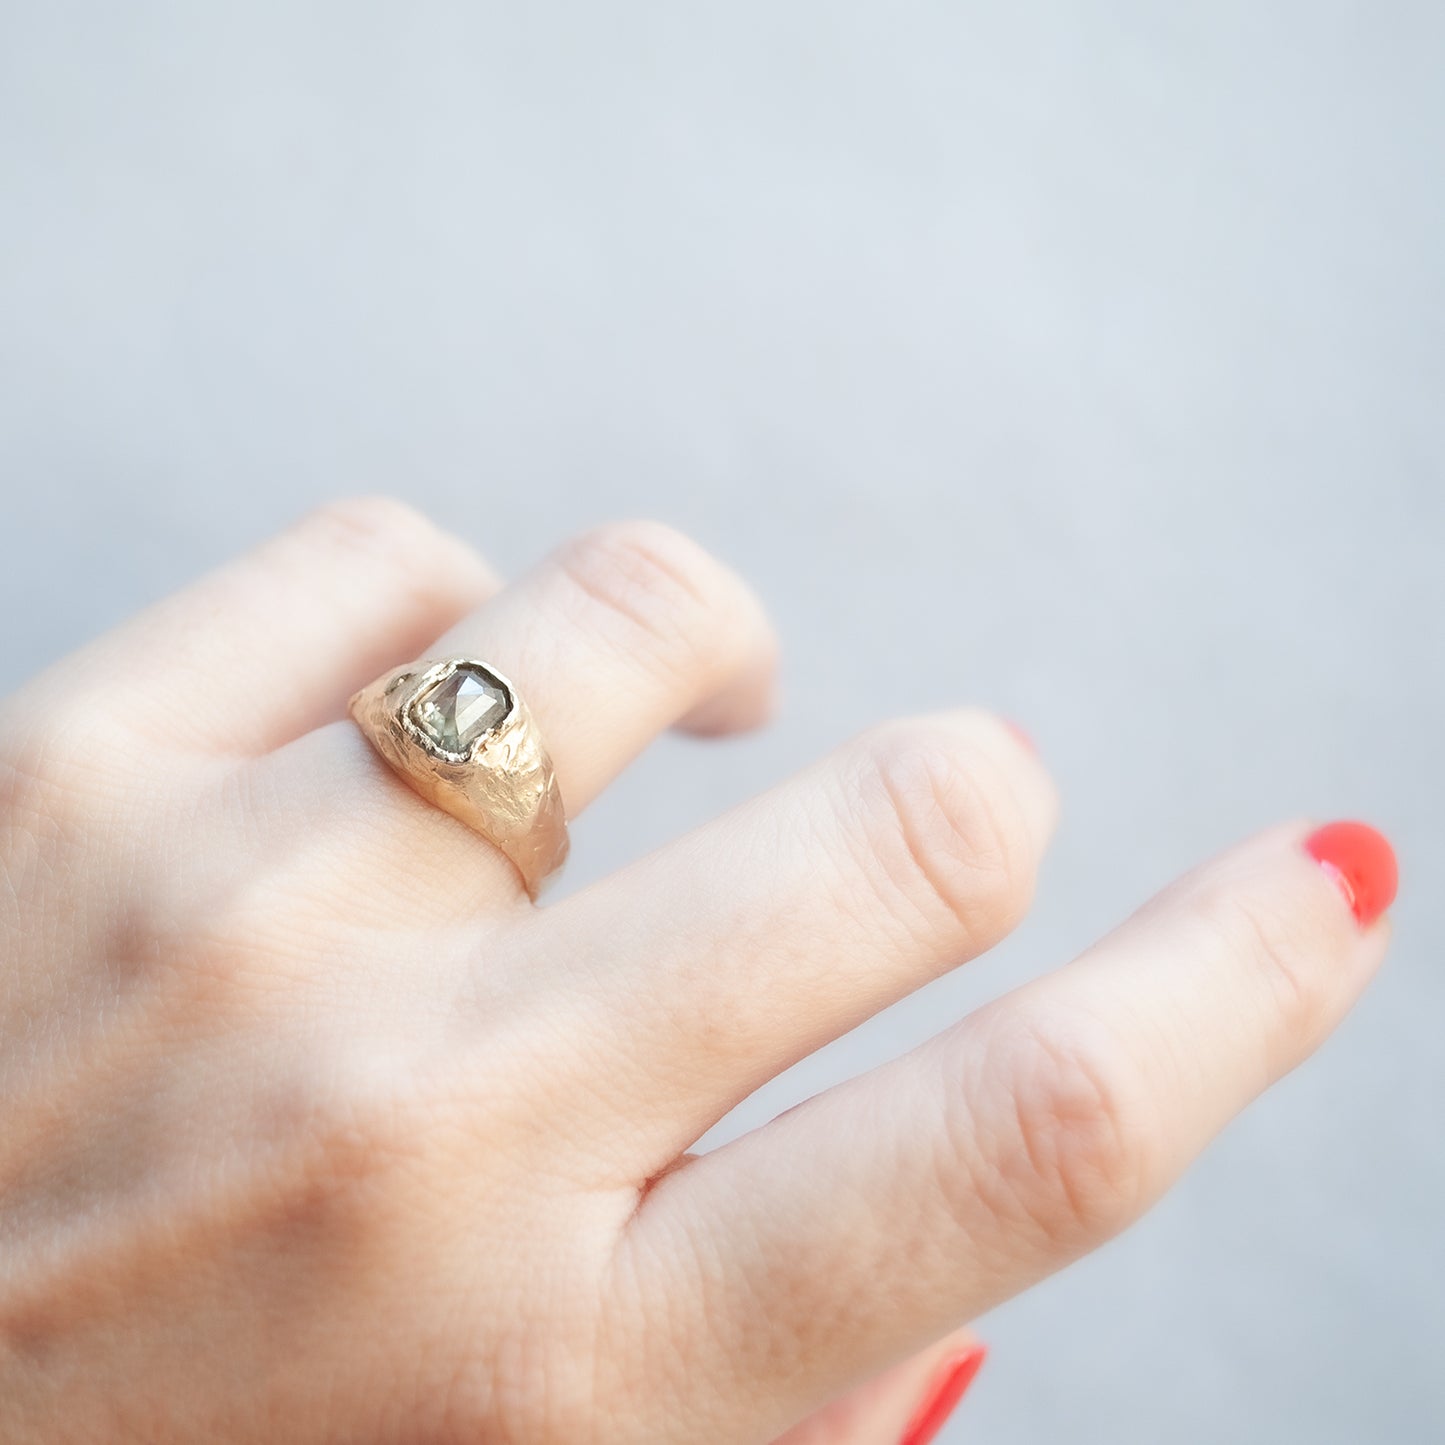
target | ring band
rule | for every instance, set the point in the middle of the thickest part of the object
(459, 734)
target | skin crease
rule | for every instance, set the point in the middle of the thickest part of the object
(316, 1130)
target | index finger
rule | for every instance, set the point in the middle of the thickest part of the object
(942, 1184)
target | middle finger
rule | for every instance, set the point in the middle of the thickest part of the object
(699, 973)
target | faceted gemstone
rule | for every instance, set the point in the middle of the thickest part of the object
(456, 711)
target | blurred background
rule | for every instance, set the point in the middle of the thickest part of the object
(1085, 361)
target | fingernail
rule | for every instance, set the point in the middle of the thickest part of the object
(954, 1377)
(1362, 864)
(1022, 734)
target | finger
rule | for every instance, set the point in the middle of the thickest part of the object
(1025, 1136)
(273, 643)
(700, 972)
(618, 636)
(615, 638)
(905, 1405)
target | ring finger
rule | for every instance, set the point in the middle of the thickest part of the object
(619, 635)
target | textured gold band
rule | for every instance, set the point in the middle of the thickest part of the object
(459, 734)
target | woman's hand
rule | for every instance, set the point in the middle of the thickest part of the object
(314, 1130)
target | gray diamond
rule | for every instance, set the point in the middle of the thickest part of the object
(456, 711)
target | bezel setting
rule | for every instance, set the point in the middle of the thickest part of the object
(501, 785)
(421, 685)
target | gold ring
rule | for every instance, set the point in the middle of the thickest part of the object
(458, 733)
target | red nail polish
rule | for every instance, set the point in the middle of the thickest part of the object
(1361, 862)
(955, 1376)
(1021, 734)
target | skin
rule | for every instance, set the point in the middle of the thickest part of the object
(316, 1130)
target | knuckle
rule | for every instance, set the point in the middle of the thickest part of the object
(417, 557)
(1283, 950)
(946, 830)
(654, 583)
(370, 524)
(350, 1148)
(346, 1144)
(1077, 1155)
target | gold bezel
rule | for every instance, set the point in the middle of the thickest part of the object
(424, 682)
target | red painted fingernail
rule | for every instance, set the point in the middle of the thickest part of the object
(1021, 734)
(1361, 862)
(954, 1378)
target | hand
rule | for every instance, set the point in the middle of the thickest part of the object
(316, 1130)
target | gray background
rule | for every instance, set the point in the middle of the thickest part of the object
(1082, 360)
